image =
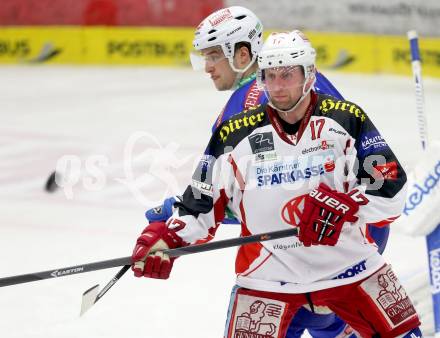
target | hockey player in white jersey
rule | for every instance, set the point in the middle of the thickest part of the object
(226, 44)
(298, 161)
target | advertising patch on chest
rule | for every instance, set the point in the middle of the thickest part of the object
(288, 170)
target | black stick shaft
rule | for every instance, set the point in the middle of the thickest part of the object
(227, 243)
(66, 271)
(112, 263)
(113, 281)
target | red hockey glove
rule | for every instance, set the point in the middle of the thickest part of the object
(325, 212)
(148, 259)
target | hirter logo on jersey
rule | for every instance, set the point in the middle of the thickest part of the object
(387, 171)
(329, 105)
(247, 119)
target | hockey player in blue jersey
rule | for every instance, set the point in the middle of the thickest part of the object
(226, 46)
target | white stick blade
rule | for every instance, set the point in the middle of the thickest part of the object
(89, 298)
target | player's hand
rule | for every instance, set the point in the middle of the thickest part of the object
(148, 259)
(325, 212)
(162, 212)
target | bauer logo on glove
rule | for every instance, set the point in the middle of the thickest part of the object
(325, 212)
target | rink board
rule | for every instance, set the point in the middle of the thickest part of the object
(158, 46)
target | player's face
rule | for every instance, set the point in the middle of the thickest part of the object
(284, 85)
(218, 68)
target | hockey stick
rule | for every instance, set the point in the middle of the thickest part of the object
(112, 263)
(420, 101)
(92, 295)
(433, 239)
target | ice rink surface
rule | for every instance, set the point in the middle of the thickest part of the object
(158, 121)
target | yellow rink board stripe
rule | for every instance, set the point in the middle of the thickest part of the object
(364, 53)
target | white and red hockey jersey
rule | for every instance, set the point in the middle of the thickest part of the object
(263, 174)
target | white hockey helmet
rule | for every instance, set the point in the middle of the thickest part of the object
(288, 49)
(227, 27)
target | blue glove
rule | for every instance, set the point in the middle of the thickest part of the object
(162, 212)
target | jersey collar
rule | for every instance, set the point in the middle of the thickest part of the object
(246, 80)
(275, 119)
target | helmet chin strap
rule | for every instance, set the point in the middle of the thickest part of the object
(239, 71)
(295, 105)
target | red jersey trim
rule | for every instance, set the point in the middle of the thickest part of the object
(274, 119)
(252, 96)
